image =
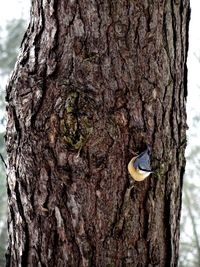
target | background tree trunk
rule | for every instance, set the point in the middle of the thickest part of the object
(96, 79)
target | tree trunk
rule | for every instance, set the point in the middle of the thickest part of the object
(95, 80)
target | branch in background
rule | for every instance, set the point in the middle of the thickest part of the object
(194, 226)
(4, 163)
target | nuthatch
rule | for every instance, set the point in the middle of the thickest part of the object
(139, 166)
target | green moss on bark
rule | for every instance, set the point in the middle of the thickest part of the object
(74, 123)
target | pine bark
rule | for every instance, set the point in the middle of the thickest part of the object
(95, 80)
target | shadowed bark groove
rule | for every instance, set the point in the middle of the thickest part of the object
(95, 80)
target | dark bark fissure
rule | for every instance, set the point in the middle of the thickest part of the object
(95, 81)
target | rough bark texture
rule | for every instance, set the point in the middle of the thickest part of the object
(96, 79)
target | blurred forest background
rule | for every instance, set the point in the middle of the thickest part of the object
(11, 34)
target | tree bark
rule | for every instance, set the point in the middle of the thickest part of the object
(95, 80)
